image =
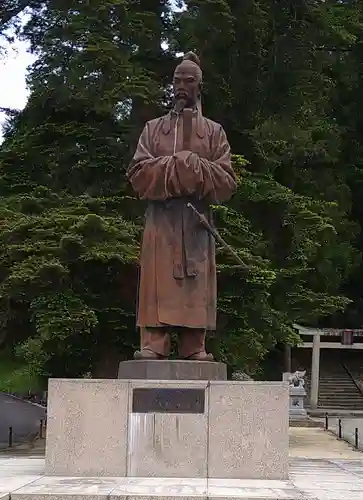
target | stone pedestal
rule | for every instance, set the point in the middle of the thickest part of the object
(172, 370)
(297, 397)
(297, 410)
(169, 429)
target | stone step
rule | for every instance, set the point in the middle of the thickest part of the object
(336, 404)
(351, 390)
(341, 393)
(341, 378)
(323, 397)
(328, 383)
(341, 401)
(338, 386)
(340, 383)
(338, 379)
(153, 488)
(337, 382)
(338, 395)
(316, 476)
(333, 404)
(341, 407)
(339, 398)
(348, 397)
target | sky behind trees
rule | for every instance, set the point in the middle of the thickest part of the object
(13, 69)
(13, 92)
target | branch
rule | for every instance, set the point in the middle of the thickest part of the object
(334, 49)
(9, 10)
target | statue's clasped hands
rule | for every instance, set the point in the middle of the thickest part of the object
(189, 158)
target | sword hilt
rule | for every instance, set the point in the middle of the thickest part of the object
(204, 221)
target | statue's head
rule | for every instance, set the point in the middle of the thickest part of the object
(187, 82)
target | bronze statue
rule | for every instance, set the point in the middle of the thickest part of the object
(181, 158)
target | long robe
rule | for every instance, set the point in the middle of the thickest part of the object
(178, 283)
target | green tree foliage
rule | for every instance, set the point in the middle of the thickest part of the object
(268, 79)
(69, 232)
(67, 276)
(276, 75)
(346, 67)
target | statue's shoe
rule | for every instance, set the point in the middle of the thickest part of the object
(147, 354)
(201, 356)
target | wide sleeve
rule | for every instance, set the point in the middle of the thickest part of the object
(217, 178)
(184, 173)
(158, 178)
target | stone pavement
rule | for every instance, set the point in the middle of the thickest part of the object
(321, 468)
(328, 479)
(16, 472)
(316, 443)
(348, 429)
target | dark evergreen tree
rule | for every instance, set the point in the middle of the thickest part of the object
(267, 79)
(284, 80)
(69, 234)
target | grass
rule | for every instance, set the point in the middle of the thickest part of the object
(15, 376)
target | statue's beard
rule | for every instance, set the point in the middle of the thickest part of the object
(181, 103)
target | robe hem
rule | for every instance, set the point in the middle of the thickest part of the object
(167, 325)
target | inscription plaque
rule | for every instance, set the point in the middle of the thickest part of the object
(162, 400)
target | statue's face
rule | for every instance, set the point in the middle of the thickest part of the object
(186, 85)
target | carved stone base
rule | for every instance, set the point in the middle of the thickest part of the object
(297, 410)
(167, 429)
(150, 369)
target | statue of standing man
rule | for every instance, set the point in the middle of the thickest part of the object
(181, 158)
